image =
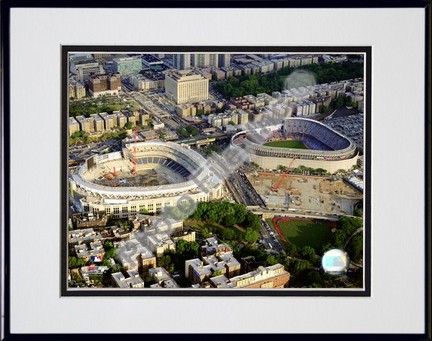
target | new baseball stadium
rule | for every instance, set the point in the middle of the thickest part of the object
(298, 142)
(144, 176)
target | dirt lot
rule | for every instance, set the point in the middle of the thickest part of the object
(306, 193)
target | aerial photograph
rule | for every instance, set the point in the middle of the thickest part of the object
(222, 171)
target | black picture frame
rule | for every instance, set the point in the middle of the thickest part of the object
(5, 161)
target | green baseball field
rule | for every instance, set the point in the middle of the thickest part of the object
(286, 144)
(304, 232)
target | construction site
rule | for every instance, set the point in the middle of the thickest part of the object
(305, 193)
(159, 175)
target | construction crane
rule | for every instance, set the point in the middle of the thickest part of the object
(275, 189)
(133, 171)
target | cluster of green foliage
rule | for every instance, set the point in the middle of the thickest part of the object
(208, 150)
(119, 222)
(110, 250)
(116, 268)
(358, 212)
(96, 106)
(77, 278)
(347, 226)
(129, 125)
(253, 84)
(342, 100)
(119, 134)
(188, 131)
(175, 260)
(308, 170)
(166, 262)
(245, 85)
(80, 137)
(301, 270)
(76, 262)
(229, 214)
(186, 248)
(328, 72)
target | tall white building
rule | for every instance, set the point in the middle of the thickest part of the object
(224, 60)
(83, 69)
(186, 87)
(182, 61)
(214, 60)
(200, 59)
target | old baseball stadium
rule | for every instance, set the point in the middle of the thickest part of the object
(298, 142)
(144, 176)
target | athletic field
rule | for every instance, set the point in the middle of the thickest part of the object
(302, 232)
(286, 144)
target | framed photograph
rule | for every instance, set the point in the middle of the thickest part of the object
(220, 171)
(215, 156)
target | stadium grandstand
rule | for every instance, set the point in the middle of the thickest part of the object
(323, 146)
(143, 177)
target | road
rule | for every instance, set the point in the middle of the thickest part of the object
(83, 152)
(270, 238)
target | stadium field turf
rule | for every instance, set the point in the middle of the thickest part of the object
(305, 232)
(286, 144)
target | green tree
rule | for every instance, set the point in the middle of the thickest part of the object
(301, 265)
(291, 250)
(194, 247)
(164, 261)
(106, 262)
(355, 247)
(358, 212)
(251, 235)
(240, 213)
(320, 171)
(182, 246)
(252, 221)
(229, 220)
(108, 245)
(271, 260)
(111, 253)
(228, 234)
(182, 132)
(347, 226)
(72, 262)
(205, 232)
(144, 211)
(308, 253)
(314, 278)
(325, 248)
(116, 268)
